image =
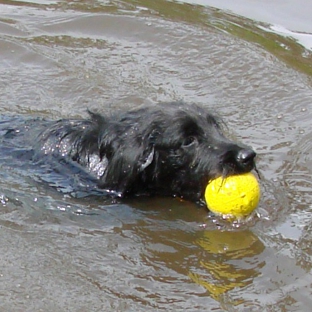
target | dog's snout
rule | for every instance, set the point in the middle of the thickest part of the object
(237, 160)
(245, 156)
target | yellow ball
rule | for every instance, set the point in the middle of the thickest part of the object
(235, 196)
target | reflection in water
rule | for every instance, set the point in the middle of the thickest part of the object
(227, 262)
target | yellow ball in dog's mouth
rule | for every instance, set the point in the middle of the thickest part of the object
(234, 196)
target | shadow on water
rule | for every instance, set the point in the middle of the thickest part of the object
(285, 48)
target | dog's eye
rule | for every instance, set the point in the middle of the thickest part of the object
(190, 140)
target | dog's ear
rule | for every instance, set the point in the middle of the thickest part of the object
(126, 164)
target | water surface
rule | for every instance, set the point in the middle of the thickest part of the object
(65, 253)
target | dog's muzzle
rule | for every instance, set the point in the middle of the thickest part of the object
(245, 159)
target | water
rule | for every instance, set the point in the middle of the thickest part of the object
(86, 253)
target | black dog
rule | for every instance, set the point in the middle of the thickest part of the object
(168, 149)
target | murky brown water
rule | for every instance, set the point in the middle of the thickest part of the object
(60, 253)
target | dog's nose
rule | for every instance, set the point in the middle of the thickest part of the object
(245, 156)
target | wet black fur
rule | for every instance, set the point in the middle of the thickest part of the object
(168, 149)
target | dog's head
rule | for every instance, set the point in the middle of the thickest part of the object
(170, 149)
